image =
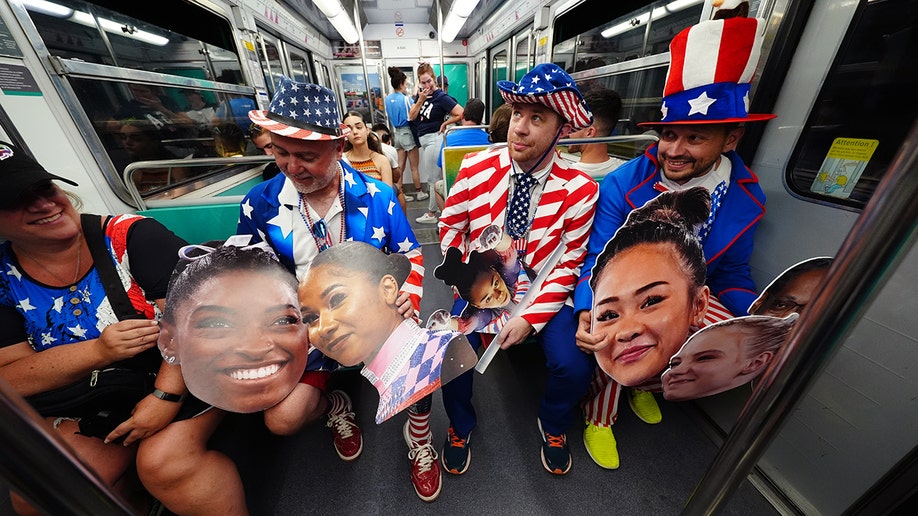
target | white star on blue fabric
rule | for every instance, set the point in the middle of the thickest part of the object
(280, 103)
(746, 101)
(701, 104)
(405, 245)
(664, 110)
(14, 272)
(47, 339)
(58, 304)
(78, 331)
(283, 221)
(391, 205)
(247, 209)
(294, 101)
(349, 178)
(294, 87)
(379, 233)
(535, 79)
(307, 100)
(373, 189)
(365, 211)
(25, 305)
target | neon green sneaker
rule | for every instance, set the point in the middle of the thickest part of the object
(645, 406)
(600, 444)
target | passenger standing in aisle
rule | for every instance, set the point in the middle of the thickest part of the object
(701, 127)
(318, 202)
(435, 111)
(398, 103)
(544, 205)
(606, 106)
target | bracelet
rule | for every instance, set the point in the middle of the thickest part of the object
(165, 396)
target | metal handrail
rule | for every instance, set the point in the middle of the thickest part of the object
(868, 256)
(129, 170)
(34, 459)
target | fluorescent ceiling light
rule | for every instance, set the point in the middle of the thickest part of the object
(339, 19)
(120, 29)
(642, 19)
(455, 19)
(49, 8)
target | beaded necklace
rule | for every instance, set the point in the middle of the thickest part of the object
(321, 237)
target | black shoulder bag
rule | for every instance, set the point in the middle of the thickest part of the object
(106, 397)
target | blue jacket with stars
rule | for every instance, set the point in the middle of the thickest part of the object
(729, 244)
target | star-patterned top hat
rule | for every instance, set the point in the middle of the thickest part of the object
(302, 110)
(548, 84)
(712, 64)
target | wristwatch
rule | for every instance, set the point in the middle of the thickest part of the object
(165, 396)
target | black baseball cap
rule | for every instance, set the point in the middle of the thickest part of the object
(18, 173)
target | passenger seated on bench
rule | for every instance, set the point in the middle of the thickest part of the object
(332, 203)
(696, 149)
(500, 123)
(143, 142)
(472, 115)
(606, 106)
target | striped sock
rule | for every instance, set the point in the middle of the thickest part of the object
(419, 421)
(338, 403)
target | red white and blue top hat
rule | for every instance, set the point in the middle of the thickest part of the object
(302, 110)
(548, 84)
(711, 66)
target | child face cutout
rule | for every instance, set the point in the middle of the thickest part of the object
(712, 361)
(240, 341)
(348, 316)
(644, 306)
(489, 291)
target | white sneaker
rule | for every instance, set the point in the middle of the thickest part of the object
(408, 198)
(428, 218)
(420, 196)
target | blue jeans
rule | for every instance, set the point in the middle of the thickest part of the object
(569, 373)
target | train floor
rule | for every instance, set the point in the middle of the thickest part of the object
(660, 464)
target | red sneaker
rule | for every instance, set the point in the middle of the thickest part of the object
(347, 437)
(425, 471)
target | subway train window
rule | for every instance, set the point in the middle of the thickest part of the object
(592, 34)
(863, 112)
(93, 33)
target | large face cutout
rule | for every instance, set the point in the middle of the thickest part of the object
(644, 305)
(239, 340)
(348, 314)
(793, 289)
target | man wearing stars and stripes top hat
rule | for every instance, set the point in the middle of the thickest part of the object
(705, 104)
(317, 202)
(544, 205)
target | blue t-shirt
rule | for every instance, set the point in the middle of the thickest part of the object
(463, 138)
(236, 110)
(397, 105)
(434, 111)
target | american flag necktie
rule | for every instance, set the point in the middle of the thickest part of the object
(717, 197)
(518, 214)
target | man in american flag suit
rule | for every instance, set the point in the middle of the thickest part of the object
(544, 205)
(319, 201)
(705, 104)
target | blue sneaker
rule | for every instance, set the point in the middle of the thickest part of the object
(456, 454)
(556, 455)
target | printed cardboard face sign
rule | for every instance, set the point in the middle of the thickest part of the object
(492, 282)
(732, 353)
(348, 298)
(648, 286)
(232, 321)
(793, 289)
(725, 355)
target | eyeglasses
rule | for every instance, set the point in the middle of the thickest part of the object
(784, 306)
(320, 232)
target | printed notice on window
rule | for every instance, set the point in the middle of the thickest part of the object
(846, 160)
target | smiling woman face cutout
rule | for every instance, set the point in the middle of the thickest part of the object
(237, 335)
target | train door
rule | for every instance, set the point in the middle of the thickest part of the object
(300, 69)
(354, 92)
(271, 62)
(499, 71)
(522, 54)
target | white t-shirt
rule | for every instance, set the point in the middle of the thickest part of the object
(390, 152)
(598, 170)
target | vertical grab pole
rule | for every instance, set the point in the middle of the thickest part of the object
(868, 255)
(42, 468)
